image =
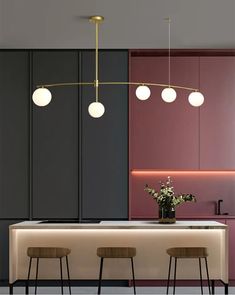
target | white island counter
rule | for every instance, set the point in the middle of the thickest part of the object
(150, 238)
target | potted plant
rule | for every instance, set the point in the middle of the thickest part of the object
(167, 200)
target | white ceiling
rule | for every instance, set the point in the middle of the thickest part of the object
(128, 23)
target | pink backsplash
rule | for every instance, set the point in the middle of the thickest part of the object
(208, 189)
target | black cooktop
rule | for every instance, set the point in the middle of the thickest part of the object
(70, 221)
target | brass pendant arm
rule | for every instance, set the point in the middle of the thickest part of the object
(97, 83)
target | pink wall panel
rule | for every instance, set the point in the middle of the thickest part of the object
(162, 135)
(217, 116)
(179, 137)
(208, 189)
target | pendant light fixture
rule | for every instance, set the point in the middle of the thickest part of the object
(196, 98)
(169, 94)
(96, 109)
(42, 95)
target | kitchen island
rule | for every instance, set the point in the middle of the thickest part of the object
(150, 238)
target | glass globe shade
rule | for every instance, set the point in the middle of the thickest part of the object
(196, 99)
(96, 109)
(142, 92)
(168, 94)
(42, 97)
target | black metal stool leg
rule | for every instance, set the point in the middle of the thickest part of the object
(11, 289)
(133, 274)
(207, 273)
(27, 282)
(36, 280)
(169, 275)
(200, 269)
(67, 264)
(26, 287)
(225, 289)
(61, 276)
(212, 286)
(100, 275)
(175, 274)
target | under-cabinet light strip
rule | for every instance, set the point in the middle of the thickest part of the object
(190, 172)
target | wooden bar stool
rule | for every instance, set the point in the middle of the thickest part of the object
(116, 252)
(48, 252)
(188, 252)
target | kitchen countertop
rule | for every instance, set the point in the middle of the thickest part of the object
(225, 216)
(196, 217)
(180, 224)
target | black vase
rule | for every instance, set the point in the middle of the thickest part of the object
(167, 214)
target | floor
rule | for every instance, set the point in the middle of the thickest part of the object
(116, 290)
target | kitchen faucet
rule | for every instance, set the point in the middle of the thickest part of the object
(219, 208)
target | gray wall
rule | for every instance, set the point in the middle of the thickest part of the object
(57, 161)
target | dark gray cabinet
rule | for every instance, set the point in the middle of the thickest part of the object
(57, 161)
(55, 137)
(105, 140)
(14, 134)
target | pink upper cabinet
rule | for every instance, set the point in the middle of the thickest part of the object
(217, 115)
(163, 135)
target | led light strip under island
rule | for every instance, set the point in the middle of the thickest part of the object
(150, 238)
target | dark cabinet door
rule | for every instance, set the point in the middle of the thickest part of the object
(163, 135)
(217, 120)
(105, 140)
(55, 137)
(14, 134)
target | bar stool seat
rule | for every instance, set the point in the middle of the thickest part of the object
(116, 252)
(188, 253)
(48, 252)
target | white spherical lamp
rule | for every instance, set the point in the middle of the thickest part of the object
(168, 94)
(142, 92)
(196, 99)
(42, 97)
(96, 109)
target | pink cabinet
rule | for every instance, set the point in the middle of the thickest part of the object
(177, 135)
(217, 119)
(162, 135)
(231, 228)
